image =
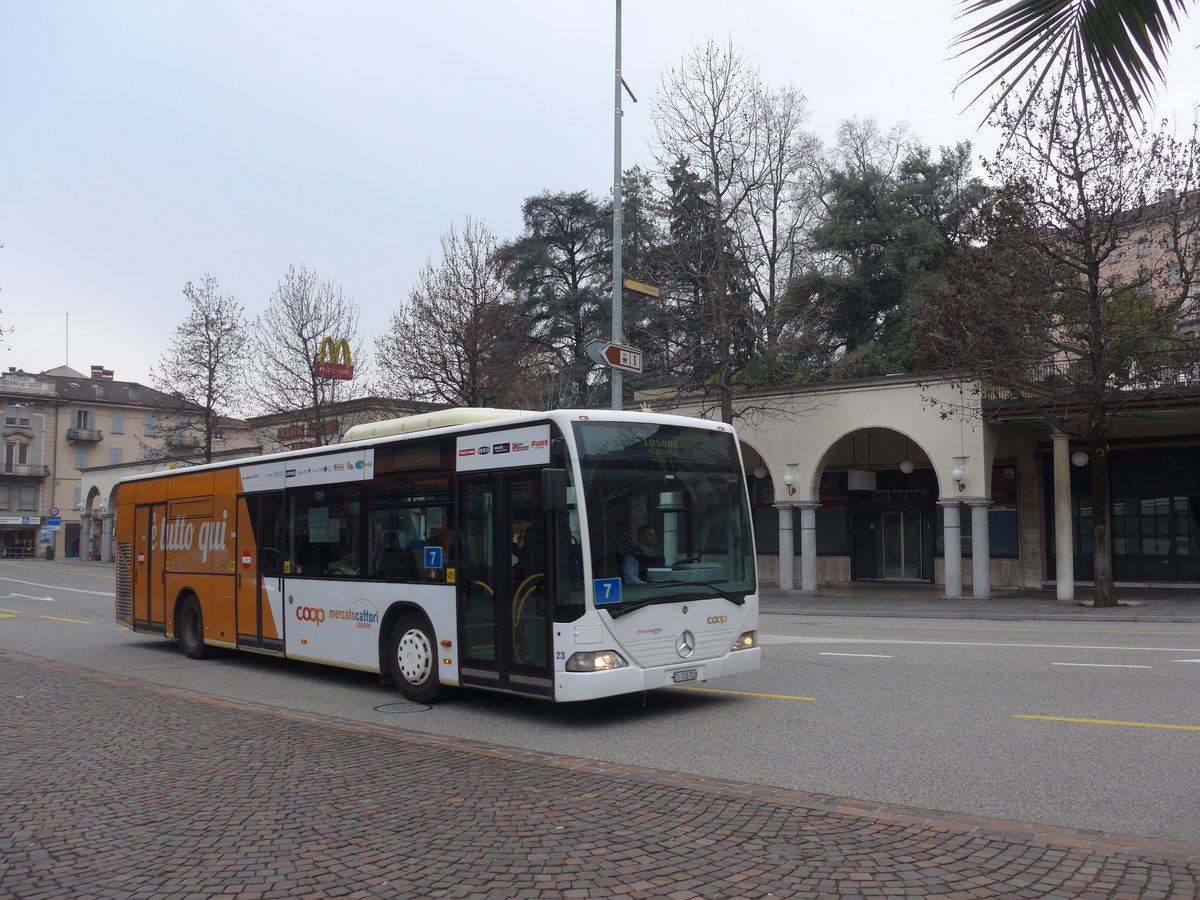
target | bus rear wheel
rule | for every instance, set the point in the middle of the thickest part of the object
(189, 627)
(412, 659)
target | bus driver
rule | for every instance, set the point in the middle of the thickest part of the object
(645, 555)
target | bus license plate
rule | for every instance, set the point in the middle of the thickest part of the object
(685, 675)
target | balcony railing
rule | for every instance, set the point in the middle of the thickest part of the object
(22, 470)
(180, 439)
(1062, 377)
(86, 435)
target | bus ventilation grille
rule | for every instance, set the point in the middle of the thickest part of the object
(124, 584)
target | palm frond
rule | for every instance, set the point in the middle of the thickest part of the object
(1118, 47)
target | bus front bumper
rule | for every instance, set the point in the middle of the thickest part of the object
(569, 686)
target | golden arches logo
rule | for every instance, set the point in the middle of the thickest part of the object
(327, 365)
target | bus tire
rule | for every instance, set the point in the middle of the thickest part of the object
(189, 629)
(412, 659)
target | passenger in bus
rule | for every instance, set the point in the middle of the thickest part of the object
(645, 555)
(346, 564)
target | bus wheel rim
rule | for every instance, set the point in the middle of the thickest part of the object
(414, 656)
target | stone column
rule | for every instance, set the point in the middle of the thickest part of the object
(786, 546)
(981, 556)
(106, 538)
(808, 546)
(85, 536)
(952, 548)
(1064, 544)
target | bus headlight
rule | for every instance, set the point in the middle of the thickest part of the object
(595, 661)
(746, 640)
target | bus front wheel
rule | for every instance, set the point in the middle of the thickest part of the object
(412, 658)
(189, 627)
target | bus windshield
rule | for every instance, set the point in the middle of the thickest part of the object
(666, 512)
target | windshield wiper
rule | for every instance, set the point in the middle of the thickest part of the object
(732, 598)
(624, 610)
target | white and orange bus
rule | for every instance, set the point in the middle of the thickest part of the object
(565, 555)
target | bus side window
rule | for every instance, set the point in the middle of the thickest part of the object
(406, 519)
(325, 524)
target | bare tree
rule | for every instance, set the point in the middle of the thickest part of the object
(290, 336)
(462, 339)
(205, 363)
(741, 195)
(772, 228)
(1068, 303)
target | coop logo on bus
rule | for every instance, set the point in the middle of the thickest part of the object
(361, 614)
(308, 614)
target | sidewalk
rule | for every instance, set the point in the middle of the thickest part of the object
(1138, 604)
(117, 788)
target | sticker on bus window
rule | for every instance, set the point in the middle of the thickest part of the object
(451, 574)
(433, 557)
(608, 590)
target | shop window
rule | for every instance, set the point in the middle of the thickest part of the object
(1004, 537)
(766, 517)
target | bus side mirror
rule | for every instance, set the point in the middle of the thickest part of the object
(554, 490)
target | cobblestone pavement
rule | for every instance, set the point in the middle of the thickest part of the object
(112, 787)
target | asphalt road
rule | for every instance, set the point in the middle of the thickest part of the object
(1089, 726)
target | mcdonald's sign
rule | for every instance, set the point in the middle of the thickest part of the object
(327, 362)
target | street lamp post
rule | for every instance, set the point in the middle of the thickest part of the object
(618, 336)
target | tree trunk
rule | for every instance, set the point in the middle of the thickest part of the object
(1102, 528)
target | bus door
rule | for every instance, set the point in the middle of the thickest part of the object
(504, 619)
(148, 586)
(259, 562)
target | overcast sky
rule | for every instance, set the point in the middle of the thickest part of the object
(143, 144)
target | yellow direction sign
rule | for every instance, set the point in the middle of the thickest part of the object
(639, 288)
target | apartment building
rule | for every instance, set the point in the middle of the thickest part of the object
(60, 422)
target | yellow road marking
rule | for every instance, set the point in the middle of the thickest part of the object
(680, 687)
(15, 612)
(57, 619)
(8, 615)
(1108, 722)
